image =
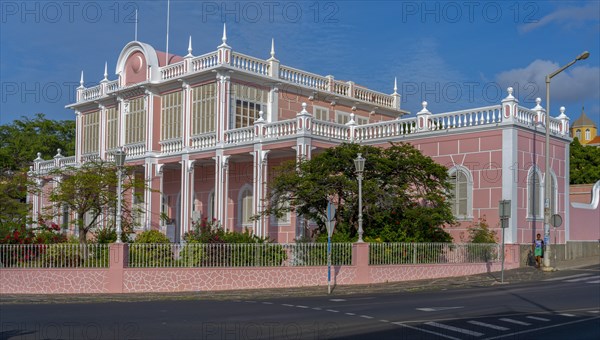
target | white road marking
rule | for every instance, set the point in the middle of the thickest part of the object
(317, 308)
(537, 318)
(483, 324)
(300, 306)
(597, 281)
(383, 320)
(593, 311)
(567, 277)
(366, 316)
(541, 328)
(567, 314)
(454, 329)
(582, 279)
(250, 301)
(287, 305)
(517, 322)
(425, 330)
(337, 300)
(267, 303)
(435, 309)
(333, 310)
(350, 314)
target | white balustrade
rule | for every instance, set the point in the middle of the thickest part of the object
(171, 145)
(241, 135)
(46, 166)
(330, 130)
(68, 161)
(381, 99)
(173, 70)
(203, 141)
(250, 64)
(112, 86)
(90, 157)
(281, 129)
(91, 93)
(135, 150)
(341, 88)
(387, 129)
(464, 118)
(205, 61)
(303, 78)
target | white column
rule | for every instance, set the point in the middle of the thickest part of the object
(186, 115)
(223, 91)
(123, 110)
(259, 189)
(102, 136)
(221, 187)
(79, 136)
(187, 168)
(148, 194)
(149, 106)
(510, 164)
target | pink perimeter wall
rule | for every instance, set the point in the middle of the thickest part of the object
(119, 279)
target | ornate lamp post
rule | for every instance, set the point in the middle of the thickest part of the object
(359, 163)
(119, 161)
(547, 179)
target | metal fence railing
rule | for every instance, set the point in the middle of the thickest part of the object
(237, 255)
(432, 253)
(222, 255)
(62, 255)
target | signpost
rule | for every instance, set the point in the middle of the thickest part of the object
(555, 221)
(330, 223)
(504, 213)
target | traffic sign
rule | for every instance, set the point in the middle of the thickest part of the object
(556, 220)
(330, 223)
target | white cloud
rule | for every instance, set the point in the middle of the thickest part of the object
(568, 17)
(574, 84)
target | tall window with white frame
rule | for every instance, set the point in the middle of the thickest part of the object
(203, 108)
(578, 134)
(534, 194)
(246, 102)
(91, 132)
(135, 121)
(459, 180)
(321, 113)
(171, 109)
(344, 117)
(245, 204)
(588, 134)
(112, 128)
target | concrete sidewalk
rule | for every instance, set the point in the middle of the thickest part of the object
(522, 274)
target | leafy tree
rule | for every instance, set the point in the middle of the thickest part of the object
(405, 194)
(91, 190)
(23, 139)
(585, 163)
(19, 144)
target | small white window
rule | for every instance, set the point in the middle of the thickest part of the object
(321, 113)
(588, 135)
(578, 134)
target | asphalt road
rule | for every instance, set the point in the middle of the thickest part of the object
(562, 306)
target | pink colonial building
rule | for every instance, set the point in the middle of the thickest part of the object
(207, 131)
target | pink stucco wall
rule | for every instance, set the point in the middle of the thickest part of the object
(119, 279)
(585, 217)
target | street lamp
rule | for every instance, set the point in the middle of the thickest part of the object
(547, 186)
(359, 163)
(119, 155)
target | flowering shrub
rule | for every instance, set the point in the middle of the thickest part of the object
(43, 234)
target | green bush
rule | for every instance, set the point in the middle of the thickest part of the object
(480, 232)
(151, 249)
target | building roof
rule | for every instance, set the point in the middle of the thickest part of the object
(594, 142)
(583, 120)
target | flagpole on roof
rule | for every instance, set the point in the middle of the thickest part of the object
(167, 52)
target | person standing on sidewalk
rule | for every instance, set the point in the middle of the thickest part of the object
(538, 250)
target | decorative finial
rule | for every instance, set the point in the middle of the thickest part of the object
(39, 156)
(273, 48)
(105, 71)
(224, 39)
(395, 85)
(303, 106)
(538, 101)
(81, 80)
(424, 110)
(190, 48)
(510, 92)
(562, 113)
(260, 116)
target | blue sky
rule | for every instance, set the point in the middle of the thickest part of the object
(454, 54)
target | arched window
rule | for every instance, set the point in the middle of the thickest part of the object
(534, 194)
(210, 210)
(578, 134)
(462, 191)
(245, 205)
(286, 217)
(588, 135)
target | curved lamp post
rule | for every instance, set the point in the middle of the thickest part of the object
(119, 161)
(359, 163)
(547, 186)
